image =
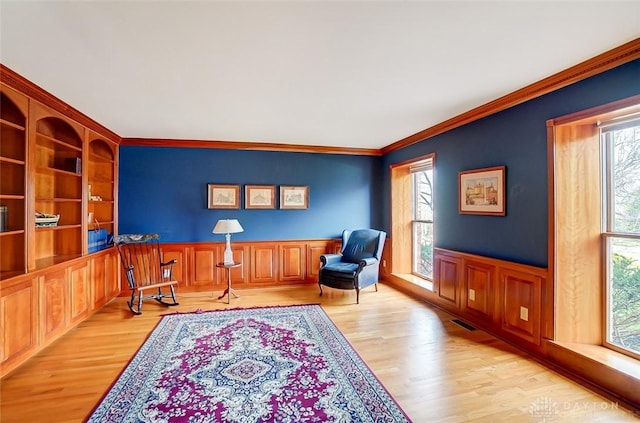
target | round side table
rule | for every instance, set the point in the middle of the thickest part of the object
(228, 291)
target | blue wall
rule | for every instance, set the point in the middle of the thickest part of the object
(164, 190)
(515, 138)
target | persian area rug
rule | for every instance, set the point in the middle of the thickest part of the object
(271, 364)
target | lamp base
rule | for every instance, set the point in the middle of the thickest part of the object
(228, 254)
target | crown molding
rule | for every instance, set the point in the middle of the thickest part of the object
(33, 91)
(248, 145)
(618, 56)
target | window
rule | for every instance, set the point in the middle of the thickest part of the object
(422, 219)
(621, 234)
(593, 241)
(412, 225)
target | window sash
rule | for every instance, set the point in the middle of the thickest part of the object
(614, 336)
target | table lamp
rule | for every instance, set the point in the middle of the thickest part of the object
(227, 227)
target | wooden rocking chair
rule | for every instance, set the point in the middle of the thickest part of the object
(142, 261)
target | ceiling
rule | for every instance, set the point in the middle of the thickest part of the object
(357, 74)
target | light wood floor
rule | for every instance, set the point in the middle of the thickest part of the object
(435, 369)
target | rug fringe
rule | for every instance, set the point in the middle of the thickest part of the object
(199, 310)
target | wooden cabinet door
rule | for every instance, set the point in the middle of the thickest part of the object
(79, 292)
(18, 322)
(53, 292)
(98, 277)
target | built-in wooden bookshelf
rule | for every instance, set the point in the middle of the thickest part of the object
(101, 184)
(49, 281)
(13, 148)
(58, 188)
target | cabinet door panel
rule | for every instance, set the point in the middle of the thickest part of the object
(80, 299)
(53, 294)
(112, 274)
(18, 321)
(99, 281)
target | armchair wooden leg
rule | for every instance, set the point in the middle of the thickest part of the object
(320, 285)
(357, 296)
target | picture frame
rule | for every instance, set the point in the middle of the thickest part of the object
(294, 197)
(223, 196)
(259, 196)
(482, 191)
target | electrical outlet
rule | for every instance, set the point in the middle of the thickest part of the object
(384, 263)
(472, 294)
(524, 314)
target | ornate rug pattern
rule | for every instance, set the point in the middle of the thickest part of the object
(270, 364)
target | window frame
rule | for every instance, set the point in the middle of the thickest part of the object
(574, 302)
(608, 222)
(401, 218)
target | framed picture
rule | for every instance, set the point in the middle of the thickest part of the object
(223, 196)
(259, 196)
(482, 191)
(294, 197)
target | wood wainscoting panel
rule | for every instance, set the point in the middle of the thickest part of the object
(18, 321)
(53, 304)
(293, 261)
(498, 295)
(264, 263)
(521, 302)
(79, 292)
(479, 292)
(314, 250)
(205, 257)
(447, 272)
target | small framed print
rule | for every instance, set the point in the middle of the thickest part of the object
(482, 191)
(294, 197)
(259, 196)
(223, 196)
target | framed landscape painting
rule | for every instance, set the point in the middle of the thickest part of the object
(482, 191)
(223, 196)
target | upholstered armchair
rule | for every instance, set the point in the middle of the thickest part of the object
(357, 265)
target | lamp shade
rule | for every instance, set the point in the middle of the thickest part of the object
(227, 226)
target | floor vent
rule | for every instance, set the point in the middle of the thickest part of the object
(459, 322)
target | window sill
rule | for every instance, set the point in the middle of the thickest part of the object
(415, 280)
(609, 370)
(605, 356)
